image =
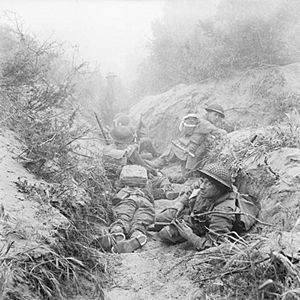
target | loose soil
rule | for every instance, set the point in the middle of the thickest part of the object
(155, 272)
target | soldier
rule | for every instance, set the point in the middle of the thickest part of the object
(124, 151)
(140, 132)
(195, 133)
(205, 214)
(133, 204)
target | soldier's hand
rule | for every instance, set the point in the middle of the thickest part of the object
(193, 147)
(187, 190)
(183, 229)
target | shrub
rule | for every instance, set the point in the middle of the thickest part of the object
(39, 107)
(188, 49)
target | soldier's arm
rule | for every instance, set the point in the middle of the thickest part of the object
(205, 127)
(185, 195)
(220, 225)
(200, 132)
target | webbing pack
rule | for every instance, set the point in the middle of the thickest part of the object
(248, 208)
(134, 176)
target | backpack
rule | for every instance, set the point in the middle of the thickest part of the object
(114, 159)
(134, 176)
(248, 210)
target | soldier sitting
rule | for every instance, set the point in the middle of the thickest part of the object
(124, 151)
(190, 147)
(205, 214)
(140, 132)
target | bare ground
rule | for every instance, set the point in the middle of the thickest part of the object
(155, 272)
(24, 222)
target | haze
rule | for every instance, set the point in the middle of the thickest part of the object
(111, 33)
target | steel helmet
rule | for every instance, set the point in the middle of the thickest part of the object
(217, 172)
(122, 134)
(216, 108)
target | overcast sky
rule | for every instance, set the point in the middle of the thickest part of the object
(113, 33)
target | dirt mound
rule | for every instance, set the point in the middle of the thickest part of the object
(276, 177)
(254, 98)
(26, 223)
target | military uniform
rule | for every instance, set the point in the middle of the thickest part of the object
(195, 141)
(133, 205)
(140, 132)
(208, 227)
(134, 210)
(209, 210)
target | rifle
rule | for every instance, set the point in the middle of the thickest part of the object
(102, 130)
(183, 149)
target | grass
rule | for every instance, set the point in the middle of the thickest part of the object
(244, 268)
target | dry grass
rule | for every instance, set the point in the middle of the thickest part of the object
(257, 146)
(46, 275)
(243, 269)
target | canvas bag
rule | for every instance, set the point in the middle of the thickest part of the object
(248, 209)
(115, 157)
(134, 176)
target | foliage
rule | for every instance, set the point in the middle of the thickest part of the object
(188, 48)
(256, 145)
(244, 270)
(37, 102)
(73, 243)
(45, 273)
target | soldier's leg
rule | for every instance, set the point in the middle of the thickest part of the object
(183, 168)
(163, 160)
(147, 146)
(144, 216)
(192, 162)
(166, 216)
(124, 212)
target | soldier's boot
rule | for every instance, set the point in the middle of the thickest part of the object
(105, 240)
(117, 233)
(136, 241)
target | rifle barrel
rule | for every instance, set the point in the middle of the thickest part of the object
(102, 130)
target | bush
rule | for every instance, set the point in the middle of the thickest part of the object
(38, 104)
(242, 35)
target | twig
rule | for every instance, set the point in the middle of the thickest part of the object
(232, 271)
(234, 213)
(80, 154)
(10, 116)
(73, 140)
(187, 258)
(49, 140)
